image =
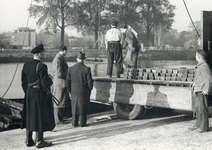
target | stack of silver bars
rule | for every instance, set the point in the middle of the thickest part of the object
(172, 74)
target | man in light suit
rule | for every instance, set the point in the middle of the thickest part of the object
(59, 89)
(79, 83)
(202, 88)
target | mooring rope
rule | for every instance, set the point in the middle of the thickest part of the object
(18, 59)
(191, 19)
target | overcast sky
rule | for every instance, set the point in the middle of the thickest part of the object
(14, 14)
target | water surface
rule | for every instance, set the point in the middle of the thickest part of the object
(98, 70)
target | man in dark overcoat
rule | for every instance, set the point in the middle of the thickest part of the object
(130, 42)
(37, 114)
(79, 83)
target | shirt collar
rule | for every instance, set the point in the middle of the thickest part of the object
(200, 63)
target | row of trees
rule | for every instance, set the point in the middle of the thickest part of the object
(185, 39)
(93, 16)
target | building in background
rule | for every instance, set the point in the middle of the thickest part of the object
(24, 38)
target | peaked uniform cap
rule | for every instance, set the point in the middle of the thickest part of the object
(37, 49)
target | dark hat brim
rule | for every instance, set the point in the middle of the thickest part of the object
(38, 49)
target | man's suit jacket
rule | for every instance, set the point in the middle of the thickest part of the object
(79, 83)
(203, 78)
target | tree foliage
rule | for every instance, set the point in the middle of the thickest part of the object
(154, 14)
(51, 40)
(5, 40)
(54, 14)
(93, 16)
(90, 17)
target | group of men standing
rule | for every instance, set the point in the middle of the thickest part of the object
(39, 113)
(115, 41)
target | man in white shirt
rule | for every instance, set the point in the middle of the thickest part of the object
(113, 39)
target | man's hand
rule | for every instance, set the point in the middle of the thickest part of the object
(50, 76)
(204, 93)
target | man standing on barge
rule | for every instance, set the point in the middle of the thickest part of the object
(202, 88)
(130, 42)
(37, 114)
(113, 39)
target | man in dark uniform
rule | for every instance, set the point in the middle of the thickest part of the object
(37, 114)
(113, 39)
(79, 83)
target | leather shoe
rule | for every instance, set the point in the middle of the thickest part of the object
(193, 128)
(118, 76)
(200, 131)
(84, 125)
(43, 144)
(30, 143)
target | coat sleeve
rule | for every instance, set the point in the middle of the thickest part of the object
(68, 80)
(45, 80)
(60, 64)
(89, 79)
(124, 41)
(207, 79)
(24, 81)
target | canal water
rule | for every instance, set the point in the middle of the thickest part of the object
(98, 70)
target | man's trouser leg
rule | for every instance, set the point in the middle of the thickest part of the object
(28, 136)
(119, 61)
(56, 115)
(39, 137)
(75, 119)
(83, 120)
(110, 59)
(201, 108)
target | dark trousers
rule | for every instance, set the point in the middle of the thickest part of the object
(201, 109)
(39, 136)
(81, 118)
(114, 52)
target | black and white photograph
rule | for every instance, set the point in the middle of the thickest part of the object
(106, 74)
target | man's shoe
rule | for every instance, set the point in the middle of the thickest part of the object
(30, 143)
(84, 125)
(118, 76)
(75, 125)
(193, 128)
(200, 131)
(43, 144)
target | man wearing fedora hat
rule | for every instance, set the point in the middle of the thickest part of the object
(37, 114)
(79, 83)
(113, 39)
